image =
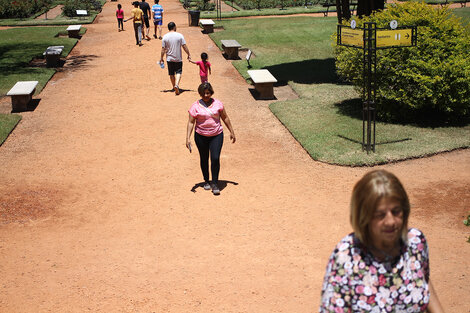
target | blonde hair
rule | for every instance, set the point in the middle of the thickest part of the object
(367, 193)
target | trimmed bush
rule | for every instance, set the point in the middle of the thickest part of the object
(21, 8)
(263, 4)
(71, 6)
(428, 83)
(205, 5)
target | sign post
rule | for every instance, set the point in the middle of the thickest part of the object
(370, 38)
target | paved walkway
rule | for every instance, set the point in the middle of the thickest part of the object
(98, 212)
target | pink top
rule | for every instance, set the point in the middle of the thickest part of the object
(206, 124)
(120, 13)
(203, 68)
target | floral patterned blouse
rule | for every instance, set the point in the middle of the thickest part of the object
(356, 281)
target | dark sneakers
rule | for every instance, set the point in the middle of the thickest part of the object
(215, 189)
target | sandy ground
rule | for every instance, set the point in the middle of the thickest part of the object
(101, 211)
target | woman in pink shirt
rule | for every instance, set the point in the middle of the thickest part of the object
(204, 116)
(120, 17)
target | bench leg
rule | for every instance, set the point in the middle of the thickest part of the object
(20, 103)
(208, 29)
(232, 53)
(265, 90)
(73, 33)
(52, 60)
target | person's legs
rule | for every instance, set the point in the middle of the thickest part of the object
(215, 147)
(155, 24)
(160, 29)
(137, 33)
(172, 79)
(202, 144)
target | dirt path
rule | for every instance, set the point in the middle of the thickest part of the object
(98, 213)
(52, 13)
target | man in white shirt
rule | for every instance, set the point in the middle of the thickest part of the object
(171, 46)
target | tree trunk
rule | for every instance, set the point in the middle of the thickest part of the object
(342, 10)
(366, 7)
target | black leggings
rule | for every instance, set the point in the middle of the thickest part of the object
(214, 146)
(120, 23)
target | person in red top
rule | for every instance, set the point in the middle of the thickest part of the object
(204, 67)
(205, 115)
(120, 17)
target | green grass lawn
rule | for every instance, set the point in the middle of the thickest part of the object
(7, 123)
(326, 119)
(18, 46)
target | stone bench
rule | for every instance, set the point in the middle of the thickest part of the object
(81, 13)
(231, 48)
(52, 55)
(208, 25)
(74, 31)
(264, 83)
(21, 94)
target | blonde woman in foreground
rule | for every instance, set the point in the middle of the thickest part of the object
(383, 266)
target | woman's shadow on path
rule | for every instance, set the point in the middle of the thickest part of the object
(222, 184)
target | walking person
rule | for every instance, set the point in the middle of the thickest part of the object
(204, 67)
(145, 7)
(171, 46)
(383, 266)
(120, 17)
(157, 10)
(205, 115)
(136, 16)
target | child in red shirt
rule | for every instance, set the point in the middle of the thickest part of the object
(204, 67)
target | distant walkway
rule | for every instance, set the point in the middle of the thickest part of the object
(52, 13)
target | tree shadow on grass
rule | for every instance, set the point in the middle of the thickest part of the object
(315, 71)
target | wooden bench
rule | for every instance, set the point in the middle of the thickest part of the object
(52, 55)
(231, 48)
(81, 13)
(74, 31)
(264, 83)
(21, 94)
(208, 25)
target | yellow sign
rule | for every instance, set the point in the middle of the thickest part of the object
(352, 37)
(396, 37)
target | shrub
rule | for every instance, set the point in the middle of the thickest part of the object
(428, 83)
(21, 8)
(263, 4)
(71, 6)
(205, 5)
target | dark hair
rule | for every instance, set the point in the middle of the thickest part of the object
(135, 3)
(156, 1)
(203, 87)
(119, 6)
(366, 196)
(171, 25)
(204, 56)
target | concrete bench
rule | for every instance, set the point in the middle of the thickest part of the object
(81, 13)
(231, 48)
(21, 94)
(74, 31)
(264, 83)
(208, 25)
(52, 55)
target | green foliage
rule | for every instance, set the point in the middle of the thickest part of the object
(205, 5)
(262, 4)
(71, 6)
(429, 83)
(21, 8)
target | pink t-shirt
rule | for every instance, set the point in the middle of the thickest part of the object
(206, 124)
(120, 13)
(203, 69)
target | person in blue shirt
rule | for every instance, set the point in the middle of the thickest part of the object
(157, 19)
